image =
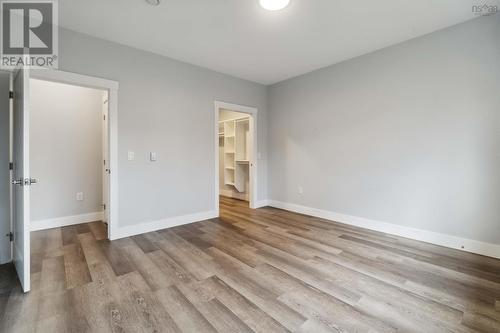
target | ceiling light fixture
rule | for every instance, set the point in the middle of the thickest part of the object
(274, 4)
(153, 2)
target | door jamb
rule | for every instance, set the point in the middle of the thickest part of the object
(253, 154)
(112, 88)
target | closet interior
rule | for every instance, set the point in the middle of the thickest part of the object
(234, 150)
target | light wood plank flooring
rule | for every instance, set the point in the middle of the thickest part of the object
(266, 270)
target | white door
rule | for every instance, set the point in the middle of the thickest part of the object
(21, 177)
(6, 156)
(105, 169)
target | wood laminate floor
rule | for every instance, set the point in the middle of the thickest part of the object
(263, 270)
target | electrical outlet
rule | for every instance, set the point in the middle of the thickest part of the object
(79, 196)
(300, 190)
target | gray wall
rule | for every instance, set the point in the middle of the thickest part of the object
(407, 135)
(4, 170)
(164, 106)
(65, 149)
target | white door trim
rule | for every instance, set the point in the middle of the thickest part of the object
(112, 88)
(105, 152)
(253, 155)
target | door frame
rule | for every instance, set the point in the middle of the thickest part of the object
(105, 157)
(112, 88)
(252, 112)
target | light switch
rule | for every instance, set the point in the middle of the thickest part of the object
(152, 156)
(131, 155)
(79, 196)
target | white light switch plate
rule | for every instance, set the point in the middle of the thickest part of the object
(79, 196)
(131, 155)
(152, 156)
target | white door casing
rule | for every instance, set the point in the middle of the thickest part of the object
(112, 88)
(105, 154)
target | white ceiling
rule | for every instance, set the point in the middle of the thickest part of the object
(239, 38)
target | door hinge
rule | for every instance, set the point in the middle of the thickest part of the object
(11, 95)
(104, 117)
(11, 236)
(11, 166)
(104, 206)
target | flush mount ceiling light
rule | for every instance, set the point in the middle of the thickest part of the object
(153, 2)
(274, 4)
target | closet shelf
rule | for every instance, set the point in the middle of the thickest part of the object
(236, 146)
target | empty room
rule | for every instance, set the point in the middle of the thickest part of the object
(261, 166)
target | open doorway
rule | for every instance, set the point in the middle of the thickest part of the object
(68, 155)
(45, 138)
(236, 147)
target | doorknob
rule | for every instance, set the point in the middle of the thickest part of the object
(30, 181)
(25, 182)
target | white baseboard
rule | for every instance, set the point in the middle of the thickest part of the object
(454, 242)
(65, 221)
(261, 203)
(142, 228)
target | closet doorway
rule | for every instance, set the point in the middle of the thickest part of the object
(236, 153)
